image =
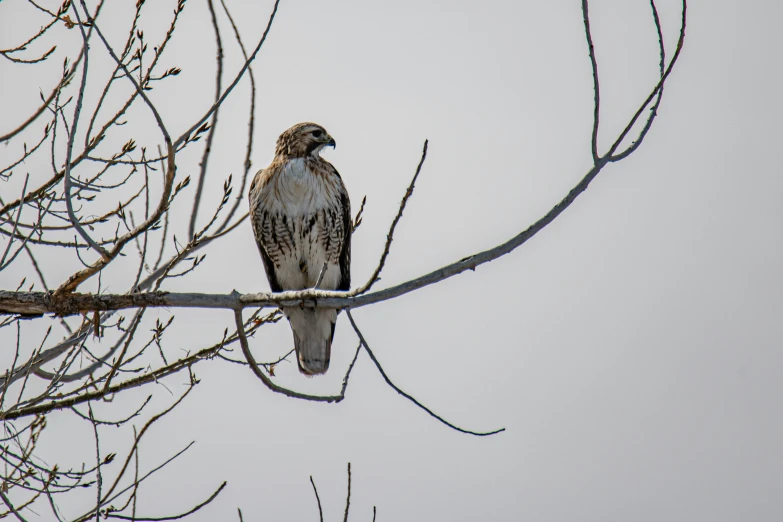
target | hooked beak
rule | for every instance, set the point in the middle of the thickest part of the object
(331, 143)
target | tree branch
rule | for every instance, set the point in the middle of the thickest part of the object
(596, 86)
(348, 498)
(230, 88)
(212, 127)
(409, 397)
(40, 302)
(267, 381)
(390, 235)
(317, 499)
(32, 303)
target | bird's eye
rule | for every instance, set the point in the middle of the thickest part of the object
(317, 133)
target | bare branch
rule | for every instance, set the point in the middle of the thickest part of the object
(358, 219)
(266, 380)
(16, 223)
(72, 136)
(28, 152)
(212, 497)
(11, 507)
(317, 498)
(179, 141)
(136, 441)
(212, 126)
(23, 45)
(154, 376)
(40, 109)
(390, 235)
(659, 96)
(76, 279)
(348, 498)
(320, 277)
(596, 88)
(410, 397)
(250, 127)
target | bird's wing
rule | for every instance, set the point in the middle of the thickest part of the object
(261, 220)
(345, 252)
(345, 229)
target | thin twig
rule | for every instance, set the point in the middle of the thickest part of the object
(179, 141)
(72, 136)
(250, 126)
(42, 108)
(321, 275)
(143, 478)
(98, 462)
(596, 89)
(212, 497)
(213, 125)
(358, 219)
(654, 109)
(16, 222)
(348, 498)
(76, 279)
(410, 397)
(655, 92)
(390, 235)
(11, 507)
(317, 498)
(266, 380)
(135, 446)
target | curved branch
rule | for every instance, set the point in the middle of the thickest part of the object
(654, 109)
(40, 302)
(212, 127)
(72, 137)
(390, 235)
(250, 127)
(348, 498)
(317, 499)
(179, 516)
(40, 109)
(596, 87)
(78, 278)
(230, 88)
(407, 396)
(266, 380)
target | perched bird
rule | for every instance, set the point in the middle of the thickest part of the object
(301, 218)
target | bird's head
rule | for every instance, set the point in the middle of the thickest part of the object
(303, 139)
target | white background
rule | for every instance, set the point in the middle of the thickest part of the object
(632, 350)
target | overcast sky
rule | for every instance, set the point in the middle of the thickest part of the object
(632, 350)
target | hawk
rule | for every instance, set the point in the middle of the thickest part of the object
(301, 218)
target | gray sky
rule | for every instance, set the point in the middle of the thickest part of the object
(632, 350)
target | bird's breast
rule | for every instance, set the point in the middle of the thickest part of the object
(298, 191)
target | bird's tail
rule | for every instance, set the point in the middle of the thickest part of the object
(313, 333)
